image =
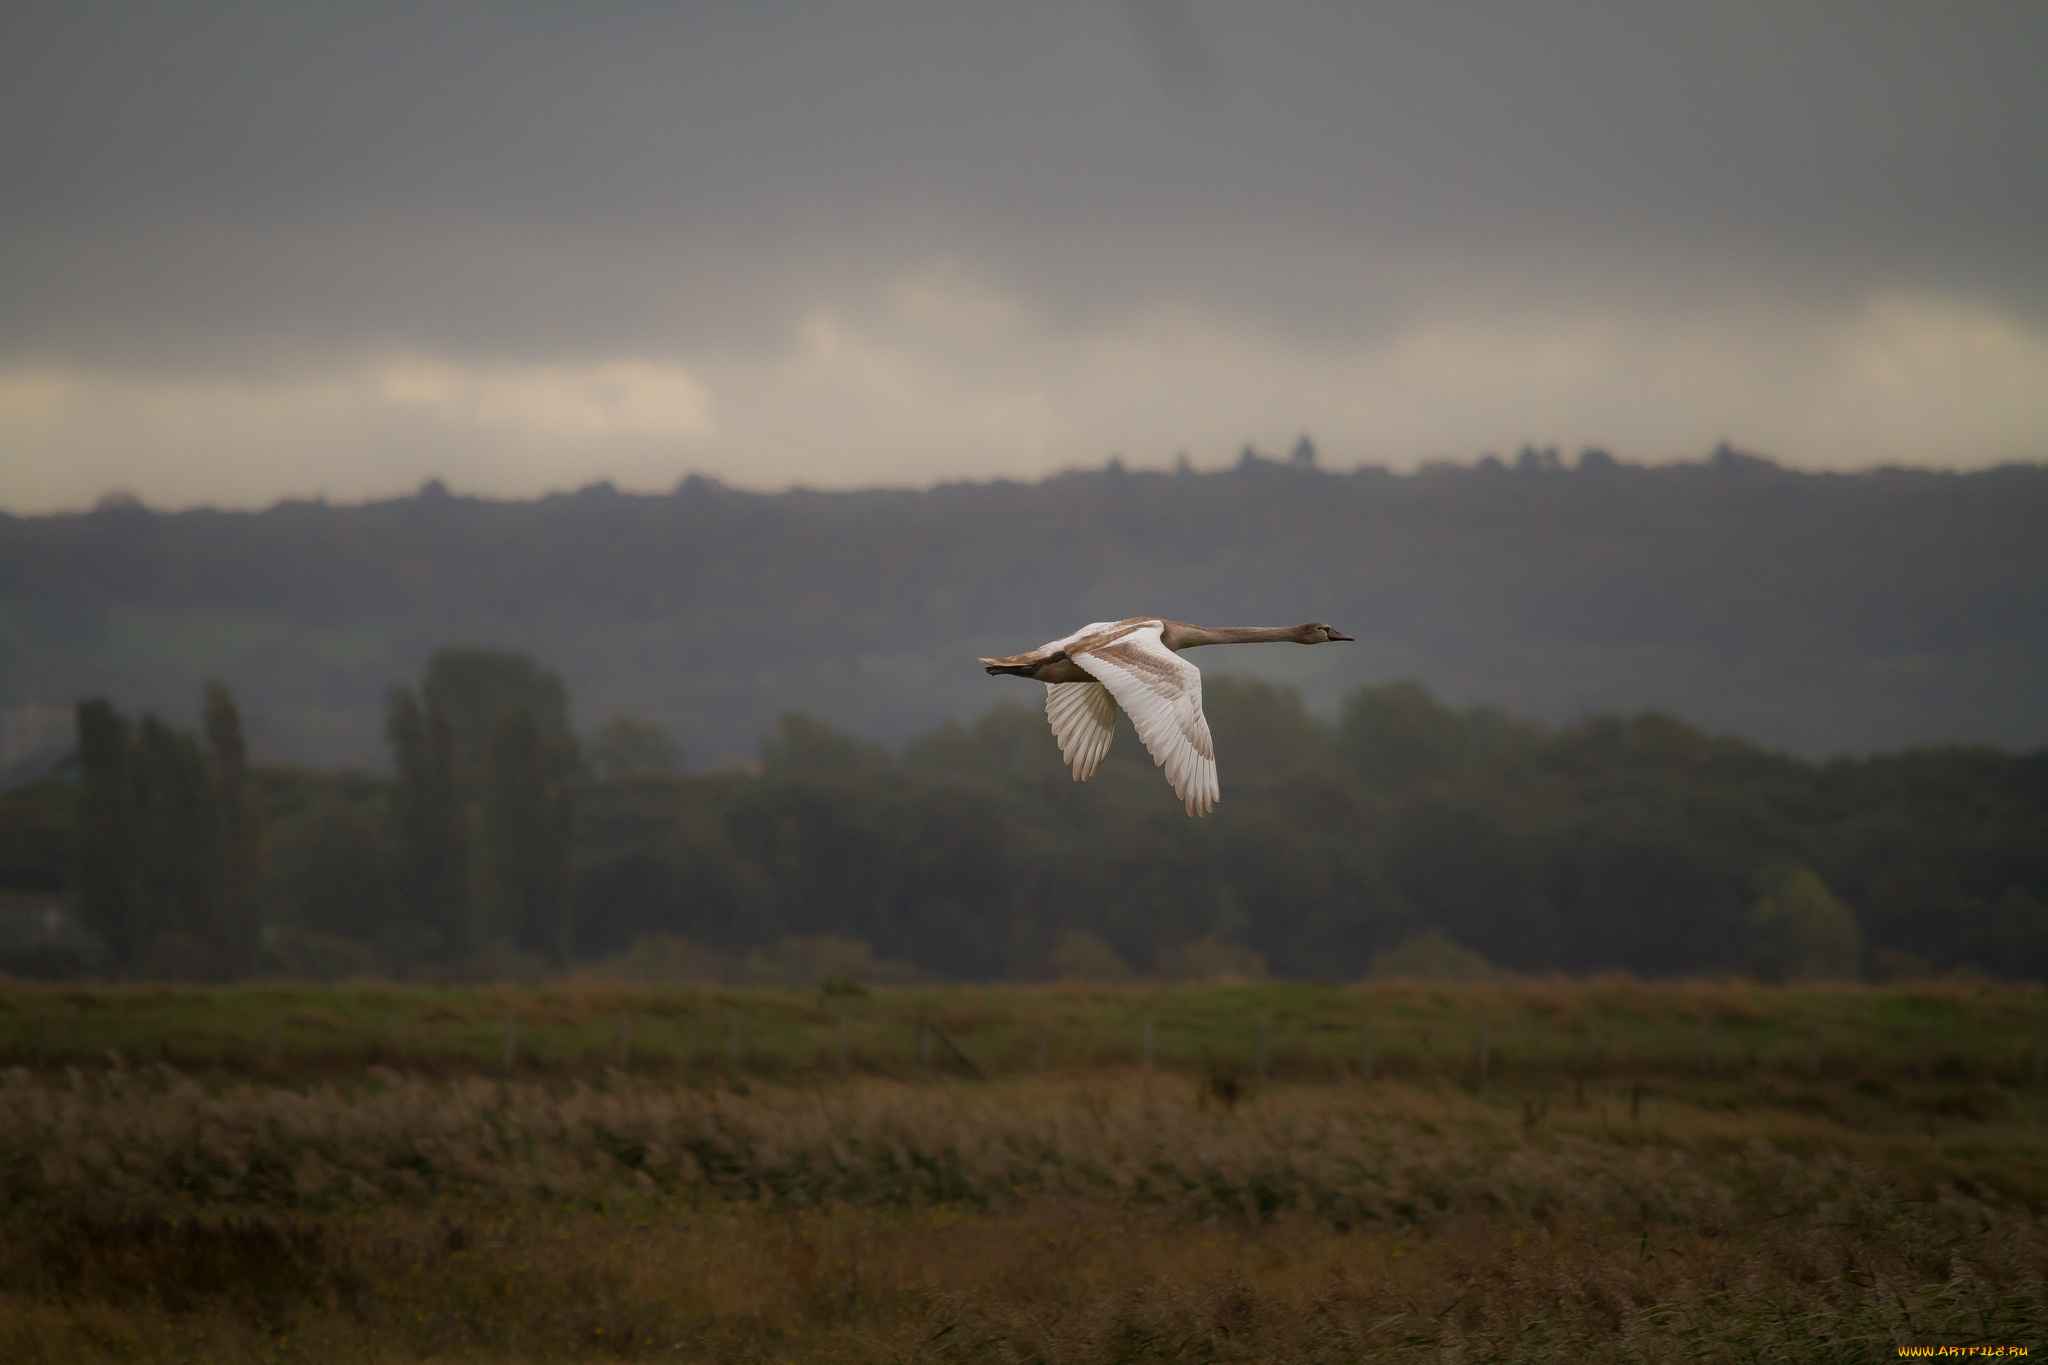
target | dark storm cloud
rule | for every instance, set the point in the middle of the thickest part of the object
(1852, 138)
(231, 189)
(1187, 67)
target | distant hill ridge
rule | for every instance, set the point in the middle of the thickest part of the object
(1819, 612)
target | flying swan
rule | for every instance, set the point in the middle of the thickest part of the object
(1136, 663)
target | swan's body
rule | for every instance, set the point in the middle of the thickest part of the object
(1135, 663)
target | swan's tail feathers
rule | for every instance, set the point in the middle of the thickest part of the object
(1022, 665)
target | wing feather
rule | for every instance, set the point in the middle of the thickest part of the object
(1162, 694)
(1083, 717)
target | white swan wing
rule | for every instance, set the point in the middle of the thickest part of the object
(1093, 628)
(1162, 694)
(1083, 717)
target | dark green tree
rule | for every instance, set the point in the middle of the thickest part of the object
(244, 848)
(181, 858)
(427, 827)
(1397, 735)
(475, 686)
(109, 888)
(804, 746)
(1799, 931)
(169, 842)
(527, 824)
(333, 874)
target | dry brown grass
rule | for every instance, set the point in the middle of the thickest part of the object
(1817, 1173)
(1096, 1217)
(1055, 1281)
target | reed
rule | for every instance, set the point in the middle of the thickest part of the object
(1092, 1210)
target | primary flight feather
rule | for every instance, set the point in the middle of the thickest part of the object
(1135, 663)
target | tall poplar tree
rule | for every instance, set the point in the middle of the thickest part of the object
(429, 832)
(180, 852)
(239, 929)
(475, 686)
(160, 877)
(109, 891)
(527, 823)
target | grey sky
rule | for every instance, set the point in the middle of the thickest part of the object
(258, 250)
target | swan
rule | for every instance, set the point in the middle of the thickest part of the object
(1136, 663)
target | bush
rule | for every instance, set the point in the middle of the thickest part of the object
(1800, 932)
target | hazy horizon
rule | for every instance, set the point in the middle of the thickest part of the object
(257, 253)
(123, 497)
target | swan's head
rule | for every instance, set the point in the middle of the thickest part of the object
(1321, 632)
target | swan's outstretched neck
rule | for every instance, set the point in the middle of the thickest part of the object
(1180, 635)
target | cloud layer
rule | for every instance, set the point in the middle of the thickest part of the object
(265, 252)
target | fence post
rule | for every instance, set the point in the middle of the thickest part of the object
(511, 1041)
(1368, 1051)
(1148, 1042)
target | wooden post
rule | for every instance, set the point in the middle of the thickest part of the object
(1148, 1042)
(845, 1046)
(511, 1042)
(1368, 1051)
(625, 1041)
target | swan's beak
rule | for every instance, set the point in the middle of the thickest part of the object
(1339, 635)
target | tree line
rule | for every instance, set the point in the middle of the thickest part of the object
(1823, 612)
(468, 863)
(502, 844)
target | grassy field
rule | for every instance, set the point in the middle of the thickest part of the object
(1534, 1171)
